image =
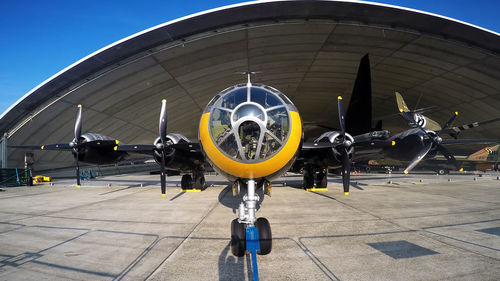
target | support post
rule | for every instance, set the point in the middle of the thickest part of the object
(3, 149)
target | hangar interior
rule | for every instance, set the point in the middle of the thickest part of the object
(309, 50)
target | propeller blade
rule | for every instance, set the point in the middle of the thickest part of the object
(418, 157)
(341, 115)
(448, 123)
(163, 122)
(346, 171)
(163, 137)
(451, 159)
(78, 124)
(162, 175)
(77, 170)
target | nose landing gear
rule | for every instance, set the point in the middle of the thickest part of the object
(246, 217)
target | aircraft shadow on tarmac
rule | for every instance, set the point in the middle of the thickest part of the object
(233, 202)
(233, 268)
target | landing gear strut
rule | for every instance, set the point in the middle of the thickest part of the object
(246, 217)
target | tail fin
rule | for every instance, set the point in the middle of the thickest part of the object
(359, 111)
(422, 120)
(401, 103)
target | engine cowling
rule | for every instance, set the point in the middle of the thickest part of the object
(336, 138)
(172, 138)
(98, 149)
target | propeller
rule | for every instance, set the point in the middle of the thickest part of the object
(76, 143)
(346, 143)
(163, 144)
(435, 143)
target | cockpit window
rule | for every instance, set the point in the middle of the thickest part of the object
(233, 98)
(250, 128)
(214, 99)
(264, 98)
(278, 123)
(220, 124)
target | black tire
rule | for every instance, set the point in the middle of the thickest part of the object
(186, 182)
(265, 236)
(199, 183)
(238, 238)
(322, 179)
(308, 179)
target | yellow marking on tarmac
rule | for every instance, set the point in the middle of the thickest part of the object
(190, 190)
(317, 189)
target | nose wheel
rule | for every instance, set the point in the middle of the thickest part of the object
(238, 237)
(246, 217)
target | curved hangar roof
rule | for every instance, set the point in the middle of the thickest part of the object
(310, 50)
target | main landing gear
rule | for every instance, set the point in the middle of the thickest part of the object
(246, 217)
(194, 182)
(315, 178)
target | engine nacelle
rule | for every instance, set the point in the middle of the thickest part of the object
(336, 138)
(99, 154)
(170, 152)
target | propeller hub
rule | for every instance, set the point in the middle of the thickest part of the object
(160, 146)
(72, 144)
(347, 143)
(438, 139)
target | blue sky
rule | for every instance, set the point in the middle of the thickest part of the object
(40, 38)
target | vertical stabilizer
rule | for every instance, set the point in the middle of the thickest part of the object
(359, 112)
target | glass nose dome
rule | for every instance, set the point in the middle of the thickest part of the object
(249, 124)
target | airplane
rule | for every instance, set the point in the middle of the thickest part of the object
(249, 133)
(252, 134)
(485, 159)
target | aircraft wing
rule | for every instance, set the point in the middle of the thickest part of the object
(193, 148)
(471, 141)
(454, 131)
(316, 154)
